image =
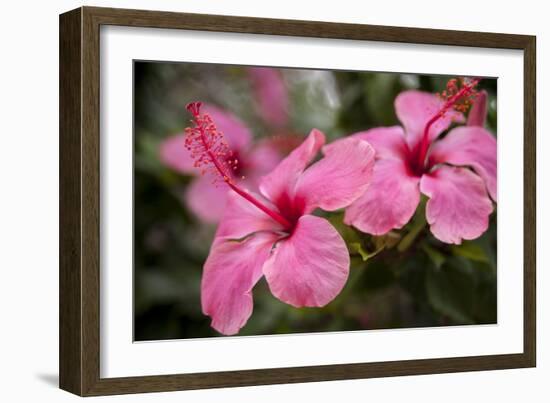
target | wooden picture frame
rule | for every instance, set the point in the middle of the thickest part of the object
(80, 200)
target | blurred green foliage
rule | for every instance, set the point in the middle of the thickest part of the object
(406, 278)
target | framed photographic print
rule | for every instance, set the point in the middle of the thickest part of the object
(249, 201)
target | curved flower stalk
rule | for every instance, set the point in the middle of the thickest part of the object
(273, 234)
(457, 173)
(255, 160)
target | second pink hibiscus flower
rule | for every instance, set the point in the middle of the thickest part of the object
(458, 173)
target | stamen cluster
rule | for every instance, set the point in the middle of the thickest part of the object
(208, 146)
(460, 92)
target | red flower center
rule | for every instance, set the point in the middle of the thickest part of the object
(291, 208)
(459, 95)
(237, 165)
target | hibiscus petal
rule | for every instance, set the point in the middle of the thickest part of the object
(271, 95)
(459, 206)
(172, 152)
(415, 108)
(478, 112)
(230, 272)
(282, 179)
(262, 159)
(339, 178)
(389, 202)
(473, 146)
(241, 218)
(236, 133)
(310, 267)
(388, 142)
(206, 199)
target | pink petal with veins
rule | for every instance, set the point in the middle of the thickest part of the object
(311, 266)
(338, 179)
(473, 146)
(230, 272)
(282, 180)
(388, 142)
(459, 206)
(389, 202)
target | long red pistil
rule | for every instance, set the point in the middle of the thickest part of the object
(453, 97)
(210, 150)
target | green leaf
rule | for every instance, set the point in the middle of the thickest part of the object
(147, 151)
(470, 250)
(435, 256)
(381, 90)
(451, 290)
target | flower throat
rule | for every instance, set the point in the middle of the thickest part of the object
(211, 153)
(458, 95)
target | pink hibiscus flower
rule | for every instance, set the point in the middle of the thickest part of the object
(458, 173)
(255, 160)
(303, 258)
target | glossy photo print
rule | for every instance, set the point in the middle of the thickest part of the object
(280, 200)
